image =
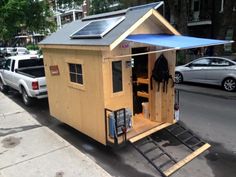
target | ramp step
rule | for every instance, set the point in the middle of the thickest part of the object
(158, 156)
(196, 144)
(181, 133)
(149, 150)
(149, 132)
(187, 159)
(165, 163)
(189, 138)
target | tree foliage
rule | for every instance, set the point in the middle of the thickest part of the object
(28, 15)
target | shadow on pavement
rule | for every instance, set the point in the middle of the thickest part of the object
(113, 161)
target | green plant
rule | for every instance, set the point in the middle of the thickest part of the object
(180, 57)
(32, 47)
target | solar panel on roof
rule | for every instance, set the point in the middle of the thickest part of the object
(98, 28)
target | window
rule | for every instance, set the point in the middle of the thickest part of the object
(201, 62)
(76, 74)
(7, 65)
(220, 62)
(30, 62)
(117, 76)
(196, 6)
(13, 65)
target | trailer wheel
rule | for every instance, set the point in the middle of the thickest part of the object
(27, 100)
(3, 88)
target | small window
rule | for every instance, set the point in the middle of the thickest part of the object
(117, 76)
(7, 64)
(76, 74)
(13, 65)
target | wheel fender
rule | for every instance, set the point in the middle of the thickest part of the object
(24, 85)
(229, 76)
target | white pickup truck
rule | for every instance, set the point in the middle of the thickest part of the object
(24, 73)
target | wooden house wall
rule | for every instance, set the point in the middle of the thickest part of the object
(79, 107)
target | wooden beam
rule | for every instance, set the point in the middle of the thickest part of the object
(187, 159)
(149, 132)
(144, 53)
(130, 30)
(164, 22)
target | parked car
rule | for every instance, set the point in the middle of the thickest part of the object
(209, 70)
(2, 52)
(20, 51)
(10, 51)
(24, 73)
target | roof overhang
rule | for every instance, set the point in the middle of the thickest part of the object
(168, 28)
(175, 41)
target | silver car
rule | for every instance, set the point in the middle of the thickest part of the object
(209, 70)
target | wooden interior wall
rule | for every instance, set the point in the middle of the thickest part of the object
(82, 109)
(162, 103)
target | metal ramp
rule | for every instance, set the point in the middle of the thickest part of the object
(161, 160)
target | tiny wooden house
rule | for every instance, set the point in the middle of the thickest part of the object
(95, 69)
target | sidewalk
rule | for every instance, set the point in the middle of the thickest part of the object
(28, 149)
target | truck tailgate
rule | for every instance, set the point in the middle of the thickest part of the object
(42, 83)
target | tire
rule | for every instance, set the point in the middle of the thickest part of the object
(178, 78)
(27, 100)
(3, 88)
(229, 84)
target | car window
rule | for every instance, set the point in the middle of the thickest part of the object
(7, 64)
(2, 63)
(220, 62)
(30, 63)
(201, 62)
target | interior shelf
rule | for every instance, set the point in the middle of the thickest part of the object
(141, 80)
(143, 94)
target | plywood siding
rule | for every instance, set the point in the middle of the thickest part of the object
(79, 107)
(122, 99)
(162, 103)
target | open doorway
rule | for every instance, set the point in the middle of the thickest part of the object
(139, 72)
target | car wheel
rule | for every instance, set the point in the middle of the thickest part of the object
(27, 100)
(229, 84)
(178, 78)
(3, 88)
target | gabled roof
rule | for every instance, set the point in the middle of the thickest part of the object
(132, 16)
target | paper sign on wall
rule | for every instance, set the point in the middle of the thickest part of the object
(54, 70)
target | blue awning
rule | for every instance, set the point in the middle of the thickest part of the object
(174, 41)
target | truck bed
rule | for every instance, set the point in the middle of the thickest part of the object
(32, 72)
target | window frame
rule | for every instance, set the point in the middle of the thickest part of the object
(75, 84)
(122, 75)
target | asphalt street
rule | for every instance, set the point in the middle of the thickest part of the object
(211, 116)
(214, 119)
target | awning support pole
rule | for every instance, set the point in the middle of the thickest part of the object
(138, 54)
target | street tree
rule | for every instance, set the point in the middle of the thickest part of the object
(24, 15)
